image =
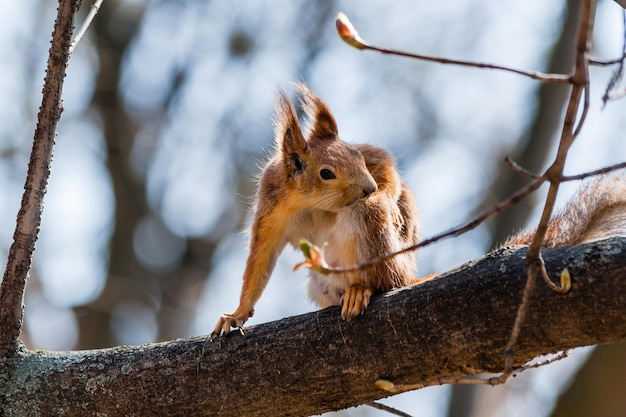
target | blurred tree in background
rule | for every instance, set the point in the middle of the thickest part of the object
(168, 108)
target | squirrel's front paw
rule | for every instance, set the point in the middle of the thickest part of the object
(355, 300)
(227, 321)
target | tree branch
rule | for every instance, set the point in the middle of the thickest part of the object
(83, 29)
(452, 326)
(29, 216)
(348, 33)
(580, 85)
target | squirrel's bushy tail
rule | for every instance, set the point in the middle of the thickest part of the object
(597, 211)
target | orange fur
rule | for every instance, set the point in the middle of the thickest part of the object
(327, 191)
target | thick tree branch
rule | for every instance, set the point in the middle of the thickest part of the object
(29, 216)
(455, 325)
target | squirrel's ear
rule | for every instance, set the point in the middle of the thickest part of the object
(323, 123)
(288, 134)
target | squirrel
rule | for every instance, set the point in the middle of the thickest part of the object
(350, 199)
(347, 197)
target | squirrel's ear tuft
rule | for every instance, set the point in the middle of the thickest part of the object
(323, 123)
(288, 134)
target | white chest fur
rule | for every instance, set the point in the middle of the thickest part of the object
(337, 234)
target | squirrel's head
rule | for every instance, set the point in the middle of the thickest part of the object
(321, 169)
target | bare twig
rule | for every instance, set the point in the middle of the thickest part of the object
(29, 216)
(497, 380)
(607, 62)
(509, 355)
(616, 95)
(583, 115)
(533, 365)
(390, 410)
(580, 83)
(519, 169)
(348, 33)
(546, 278)
(83, 29)
(610, 93)
(565, 178)
(594, 172)
(471, 380)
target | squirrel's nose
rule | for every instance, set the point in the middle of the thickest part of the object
(369, 188)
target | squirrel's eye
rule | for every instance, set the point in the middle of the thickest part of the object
(327, 174)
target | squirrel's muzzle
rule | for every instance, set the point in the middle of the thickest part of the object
(369, 187)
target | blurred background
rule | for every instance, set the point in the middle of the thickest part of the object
(168, 113)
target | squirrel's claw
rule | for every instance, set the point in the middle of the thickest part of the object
(355, 301)
(227, 321)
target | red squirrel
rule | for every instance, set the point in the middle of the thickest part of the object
(350, 199)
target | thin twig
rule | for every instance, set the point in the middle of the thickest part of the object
(348, 33)
(467, 380)
(509, 355)
(554, 173)
(555, 358)
(580, 83)
(519, 169)
(390, 410)
(594, 172)
(546, 78)
(29, 215)
(565, 178)
(610, 93)
(616, 95)
(83, 29)
(547, 280)
(497, 380)
(607, 62)
(583, 115)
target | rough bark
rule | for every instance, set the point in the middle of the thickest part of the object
(457, 324)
